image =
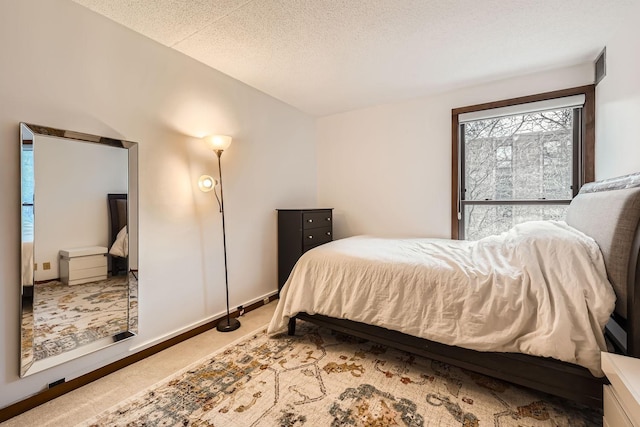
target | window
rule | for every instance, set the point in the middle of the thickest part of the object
(27, 192)
(519, 160)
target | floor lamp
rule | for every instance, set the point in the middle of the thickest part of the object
(219, 143)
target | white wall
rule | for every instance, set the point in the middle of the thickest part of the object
(72, 182)
(618, 103)
(387, 169)
(65, 67)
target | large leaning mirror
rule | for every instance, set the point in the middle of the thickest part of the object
(79, 249)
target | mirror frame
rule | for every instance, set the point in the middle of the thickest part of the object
(29, 132)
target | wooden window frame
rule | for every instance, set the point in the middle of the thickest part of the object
(587, 160)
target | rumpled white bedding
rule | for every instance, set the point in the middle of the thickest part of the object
(27, 252)
(540, 288)
(120, 246)
(27, 263)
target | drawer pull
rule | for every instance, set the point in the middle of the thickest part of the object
(328, 233)
(309, 220)
(309, 237)
(329, 219)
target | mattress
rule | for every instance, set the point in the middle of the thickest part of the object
(540, 289)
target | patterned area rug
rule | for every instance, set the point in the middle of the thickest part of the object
(66, 317)
(322, 379)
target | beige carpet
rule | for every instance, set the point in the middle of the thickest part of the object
(319, 378)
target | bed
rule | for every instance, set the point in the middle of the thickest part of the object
(118, 234)
(26, 286)
(605, 213)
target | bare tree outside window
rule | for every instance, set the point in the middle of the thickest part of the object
(512, 162)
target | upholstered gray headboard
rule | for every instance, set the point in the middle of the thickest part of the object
(609, 212)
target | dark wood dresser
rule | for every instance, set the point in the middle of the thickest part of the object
(298, 231)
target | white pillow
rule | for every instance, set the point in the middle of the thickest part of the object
(121, 246)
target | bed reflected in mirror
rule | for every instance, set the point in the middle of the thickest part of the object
(79, 245)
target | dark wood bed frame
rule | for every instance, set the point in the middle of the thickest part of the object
(544, 374)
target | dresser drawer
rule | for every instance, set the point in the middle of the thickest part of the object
(614, 414)
(96, 273)
(316, 220)
(84, 262)
(316, 236)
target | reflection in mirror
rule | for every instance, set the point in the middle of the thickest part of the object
(79, 244)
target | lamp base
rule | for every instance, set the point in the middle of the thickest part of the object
(231, 325)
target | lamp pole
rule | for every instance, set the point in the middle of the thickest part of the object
(230, 324)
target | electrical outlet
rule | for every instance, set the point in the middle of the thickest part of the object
(240, 310)
(46, 266)
(266, 300)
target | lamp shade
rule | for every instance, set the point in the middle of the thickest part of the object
(218, 142)
(206, 183)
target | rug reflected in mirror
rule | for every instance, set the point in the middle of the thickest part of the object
(318, 378)
(64, 317)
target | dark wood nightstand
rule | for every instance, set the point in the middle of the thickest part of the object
(298, 231)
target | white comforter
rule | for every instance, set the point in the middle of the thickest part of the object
(27, 263)
(540, 288)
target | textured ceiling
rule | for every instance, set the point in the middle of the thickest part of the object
(330, 56)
